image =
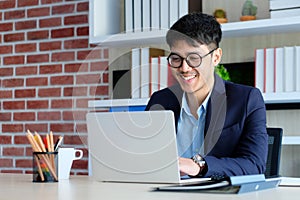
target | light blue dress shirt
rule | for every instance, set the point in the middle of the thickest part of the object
(190, 131)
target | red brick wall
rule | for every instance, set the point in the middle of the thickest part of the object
(48, 73)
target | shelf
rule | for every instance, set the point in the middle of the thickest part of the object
(230, 30)
(261, 27)
(122, 103)
(284, 97)
(290, 140)
(104, 11)
(269, 98)
(117, 103)
(131, 39)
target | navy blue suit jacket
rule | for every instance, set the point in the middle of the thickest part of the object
(236, 140)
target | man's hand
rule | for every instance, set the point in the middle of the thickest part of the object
(188, 167)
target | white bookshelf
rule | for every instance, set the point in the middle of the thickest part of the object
(107, 33)
(282, 31)
(282, 97)
(230, 30)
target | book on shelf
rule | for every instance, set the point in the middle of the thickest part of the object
(287, 8)
(161, 75)
(140, 70)
(278, 69)
(278, 64)
(135, 73)
(297, 67)
(269, 72)
(155, 5)
(289, 72)
(146, 15)
(146, 54)
(183, 7)
(259, 69)
(163, 72)
(164, 15)
(154, 75)
(292, 12)
(286, 4)
(137, 15)
(128, 15)
(171, 79)
(145, 71)
(173, 11)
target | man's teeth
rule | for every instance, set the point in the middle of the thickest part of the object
(188, 77)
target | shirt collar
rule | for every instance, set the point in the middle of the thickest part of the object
(185, 107)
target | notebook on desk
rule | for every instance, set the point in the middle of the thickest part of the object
(133, 147)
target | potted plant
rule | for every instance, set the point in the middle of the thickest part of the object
(220, 16)
(222, 72)
(248, 11)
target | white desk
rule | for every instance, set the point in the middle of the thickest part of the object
(21, 187)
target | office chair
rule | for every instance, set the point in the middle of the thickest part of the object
(274, 151)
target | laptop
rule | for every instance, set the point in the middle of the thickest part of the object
(133, 147)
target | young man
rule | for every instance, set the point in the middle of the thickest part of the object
(221, 126)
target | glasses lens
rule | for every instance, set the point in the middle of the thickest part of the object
(194, 60)
(175, 60)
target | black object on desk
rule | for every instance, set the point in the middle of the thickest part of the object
(229, 185)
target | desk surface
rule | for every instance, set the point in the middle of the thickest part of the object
(18, 186)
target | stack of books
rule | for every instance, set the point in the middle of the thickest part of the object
(148, 15)
(150, 71)
(277, 69)
(284, 8)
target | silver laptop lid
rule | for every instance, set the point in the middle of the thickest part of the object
(133, 146)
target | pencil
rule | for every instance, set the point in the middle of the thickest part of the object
(32, 141)
(51, 149)
(36, 158)
(40, 142)
(39, 168)
(38, 149)
(48, 142)
(51, 141)
(58, 143)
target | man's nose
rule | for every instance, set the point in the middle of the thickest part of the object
(185, 66)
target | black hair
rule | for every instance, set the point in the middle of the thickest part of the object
(195, 27)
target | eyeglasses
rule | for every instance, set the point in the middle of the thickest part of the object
(193, 59)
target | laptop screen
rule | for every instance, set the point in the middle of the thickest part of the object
(133, 146)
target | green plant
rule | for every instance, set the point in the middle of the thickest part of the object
(220, 13)
(249, 8)
(222, 72)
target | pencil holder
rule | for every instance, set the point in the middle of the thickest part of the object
(45, 166)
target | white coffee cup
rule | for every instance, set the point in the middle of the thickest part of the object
(66, 156)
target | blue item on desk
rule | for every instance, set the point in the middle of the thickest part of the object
(127, 108)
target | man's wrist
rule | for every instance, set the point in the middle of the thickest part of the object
(199, 160)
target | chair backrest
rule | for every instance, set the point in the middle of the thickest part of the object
(274, 151)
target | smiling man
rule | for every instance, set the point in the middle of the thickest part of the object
(221, 126)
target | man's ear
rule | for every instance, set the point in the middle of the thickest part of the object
(217, 55)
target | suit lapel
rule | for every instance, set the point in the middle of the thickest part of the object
(216, 114)
(176, 102)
